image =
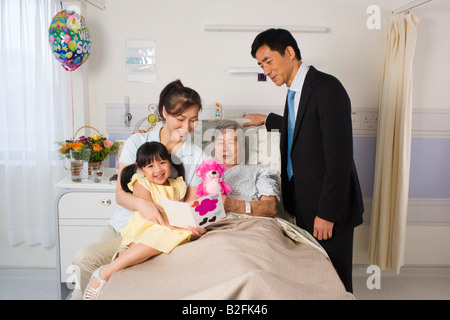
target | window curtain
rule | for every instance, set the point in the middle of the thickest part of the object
(391, 185)
(32, 118)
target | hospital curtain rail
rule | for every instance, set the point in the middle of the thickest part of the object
(393, 150)
(32, 117)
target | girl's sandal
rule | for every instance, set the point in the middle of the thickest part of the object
(91, 293)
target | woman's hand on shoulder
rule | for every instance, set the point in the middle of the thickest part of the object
(140, 131)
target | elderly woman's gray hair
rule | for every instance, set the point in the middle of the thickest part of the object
(225, 124)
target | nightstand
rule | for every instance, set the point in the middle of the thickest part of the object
(83, 209)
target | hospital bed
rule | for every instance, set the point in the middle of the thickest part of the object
(241, 257)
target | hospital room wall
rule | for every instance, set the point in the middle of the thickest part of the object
(350, 51)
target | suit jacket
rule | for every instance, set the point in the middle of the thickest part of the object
(325, 182)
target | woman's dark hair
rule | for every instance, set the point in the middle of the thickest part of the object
(146, 154)
(276, 40)
(176, 98)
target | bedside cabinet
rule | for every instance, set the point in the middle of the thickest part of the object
(83, 209)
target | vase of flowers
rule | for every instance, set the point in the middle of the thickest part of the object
(100, 148)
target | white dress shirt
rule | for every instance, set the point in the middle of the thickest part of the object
(297, 84)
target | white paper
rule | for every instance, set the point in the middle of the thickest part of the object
(201, 212)
(178, 213)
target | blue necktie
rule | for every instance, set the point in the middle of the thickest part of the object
(291, 126)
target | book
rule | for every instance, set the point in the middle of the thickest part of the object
(201, 212)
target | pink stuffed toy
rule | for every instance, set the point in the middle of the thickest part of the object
(211, 172)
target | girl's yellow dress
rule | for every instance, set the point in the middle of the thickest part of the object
(152, 234)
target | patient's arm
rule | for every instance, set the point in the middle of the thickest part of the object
(147, 208)
(265, 207)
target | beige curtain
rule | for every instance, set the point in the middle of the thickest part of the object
(391, 185)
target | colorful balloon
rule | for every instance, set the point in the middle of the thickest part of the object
(69, 39)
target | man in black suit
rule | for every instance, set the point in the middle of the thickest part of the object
(319, 181)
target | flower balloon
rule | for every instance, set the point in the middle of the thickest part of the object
(69, 39)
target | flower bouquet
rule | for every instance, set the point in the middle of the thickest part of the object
(100, 148)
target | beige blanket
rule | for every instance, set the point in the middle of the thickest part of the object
(238, 258)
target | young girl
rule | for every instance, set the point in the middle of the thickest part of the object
(147, 178)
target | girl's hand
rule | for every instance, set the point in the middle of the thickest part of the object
(197, 232)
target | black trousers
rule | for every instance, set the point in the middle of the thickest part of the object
(339, 248)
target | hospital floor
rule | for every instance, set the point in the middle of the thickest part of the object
(413, 283)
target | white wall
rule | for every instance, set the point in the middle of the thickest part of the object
(184, 50)
(431, 70)
(350, 50)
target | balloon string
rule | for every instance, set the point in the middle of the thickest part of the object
(73, 112)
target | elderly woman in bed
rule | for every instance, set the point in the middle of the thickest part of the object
(253, 191)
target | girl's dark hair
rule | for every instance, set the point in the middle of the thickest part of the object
(176, 98)
(276, 40)
(146, 154)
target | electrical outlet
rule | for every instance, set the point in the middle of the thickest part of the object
(355, 123)
(369, 120)
(364, 121)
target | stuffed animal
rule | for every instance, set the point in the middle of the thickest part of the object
(211, 172)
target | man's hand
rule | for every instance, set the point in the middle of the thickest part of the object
(256, 119)
(323, 229)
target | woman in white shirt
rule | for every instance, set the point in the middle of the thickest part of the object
(179, 107)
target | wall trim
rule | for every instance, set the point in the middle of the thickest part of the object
(426, 122)
(421, 211)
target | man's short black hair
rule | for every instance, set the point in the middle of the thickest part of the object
(276, 40)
